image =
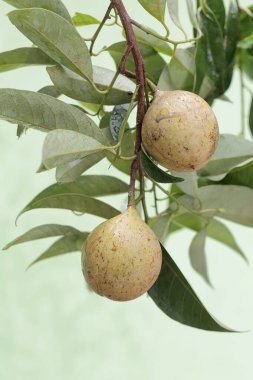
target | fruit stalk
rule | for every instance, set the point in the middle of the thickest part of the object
(132, 47)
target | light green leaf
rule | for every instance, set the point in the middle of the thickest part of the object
(241, 175)
(198, 255)
(160, 226)
(76, 87)
(173, 12)
(231, 151)
(41, 232)
(55, 6)
(73, 202)
(155, 7)
(28, 56)
(82, 19)
(230, 202)
(65, 47)
(179, 73)
(51, 91)
(66, 244)
(127, 150)
(215, 230)
(43, 112)
(173, 294)
(246, 43)
(63, 146)
(72, 170)
(158, 45)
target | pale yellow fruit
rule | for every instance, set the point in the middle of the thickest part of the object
(122, 257)
(180, 130)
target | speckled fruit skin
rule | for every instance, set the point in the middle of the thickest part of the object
(122, 257)
(180, 130)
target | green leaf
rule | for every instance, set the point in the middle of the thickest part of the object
(231, 38)
(241, 175)
(62, 146)
(82, 19)
(155, 7)
(153, 62)
(153, 171)
(28, 56)
(210, 56)
(66, 48)
(51, 91)
(73, 202)
(246, 24)
(44, 113)
(198, 255)
(41, 232)
(179, 73)
(230, 202)
(247, 63)
(160, 225)
(215, 230)
(216, 9)
(66, 244)
(251, 117)
(72, 170)
(158, 45)
(246, 43)
(76, 87)
(231, 151)
(173, 12)
(173, 294)
(55, 6)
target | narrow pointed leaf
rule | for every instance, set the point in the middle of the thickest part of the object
(74, 86)
(173, 294)
(155, 7)
(55, 6)
(63, 146)
(173, 12)
(215, 230)
(251, 117)
(242, 176)
(82, 19)
(72, 170)
(198, 255)
(66, 48)
(27, 56)
(41, 232)
(231, 151)
(43, 112)
(73, 202)
(155, 172)
(66, 244)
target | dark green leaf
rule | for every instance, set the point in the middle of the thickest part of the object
(43, 112)
(198, 255)
(155, 7)
(241, 176)
(251, 117)
(72, 170)
(175, 297)
(14, 59)
(66, 244)
(105, 121)
(41, 232)
(76, 87)
(231, 151)
(55, 6)
(62, 146)
(231, 38)
(179, 73)
(158, 45)
(216, 9)
(246, 24)
(247, 63)
(153, 62)
(66, 48)
(153, 171)
(81, 19)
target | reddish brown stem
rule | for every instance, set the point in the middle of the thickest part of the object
(140, 81)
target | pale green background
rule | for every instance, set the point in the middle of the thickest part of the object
(53, 328)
